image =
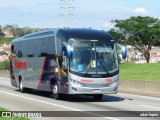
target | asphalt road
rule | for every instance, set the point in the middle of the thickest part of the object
(12, 99)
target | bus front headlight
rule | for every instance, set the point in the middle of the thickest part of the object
(78, 84)
(114, 83)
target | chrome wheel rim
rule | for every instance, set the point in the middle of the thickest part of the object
(55, 89)
(21, 86)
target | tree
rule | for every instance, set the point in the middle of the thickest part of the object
(117, 35)
(140, 32)
(19, 32)
(1, 33)
(5, 65)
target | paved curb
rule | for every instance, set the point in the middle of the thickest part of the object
(140, 87)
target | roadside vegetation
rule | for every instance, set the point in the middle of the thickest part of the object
(5, 40)
(16, 31)
(147, 72)
(5, 65)
(9, 118)
(140, 32)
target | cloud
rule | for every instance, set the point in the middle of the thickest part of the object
(139, 10)
(108, 25)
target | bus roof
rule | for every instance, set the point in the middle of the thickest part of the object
(81, 33)
(89, 34)
(44, 33)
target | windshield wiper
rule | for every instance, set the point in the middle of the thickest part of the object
(88, 67)
(105, 69)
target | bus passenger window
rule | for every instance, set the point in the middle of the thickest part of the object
(64, 61)
(30, 55)
(60, 61)
(20, 54)
(12, 48)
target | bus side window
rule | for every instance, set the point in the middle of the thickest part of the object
(12, 48)
(20, 54)
(64, 51)
(43, 55)
(64, 59)
(60, 61)
(13, 52)
(30, 55)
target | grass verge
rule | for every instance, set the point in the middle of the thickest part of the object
(149, 72)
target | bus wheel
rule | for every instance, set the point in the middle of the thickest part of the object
(55, 93)
(97, 96)
(21, 88)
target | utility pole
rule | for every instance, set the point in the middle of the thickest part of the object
(66, 11)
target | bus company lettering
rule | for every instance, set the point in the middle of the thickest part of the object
(109, 80)
(20, 65)
(86, 81)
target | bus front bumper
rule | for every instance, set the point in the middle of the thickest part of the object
(87, 90)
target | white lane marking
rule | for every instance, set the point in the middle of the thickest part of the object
(149, 106)
(40, 101)
(57, 105)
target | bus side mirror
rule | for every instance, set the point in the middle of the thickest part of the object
(124, 50)
(124, 53)
(69, 51)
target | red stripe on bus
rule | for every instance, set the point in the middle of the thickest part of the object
(39, 81)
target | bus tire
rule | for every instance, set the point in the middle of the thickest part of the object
(55, 93)
(97, 96)
(21, 88)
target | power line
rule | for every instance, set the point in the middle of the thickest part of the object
(67, 11)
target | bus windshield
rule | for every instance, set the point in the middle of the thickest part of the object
(93, 57)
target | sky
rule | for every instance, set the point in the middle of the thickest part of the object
(96, 14)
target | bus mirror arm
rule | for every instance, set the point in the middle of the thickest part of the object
(124, 50)
(65, 44)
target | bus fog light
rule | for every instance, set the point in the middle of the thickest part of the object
(79, 84)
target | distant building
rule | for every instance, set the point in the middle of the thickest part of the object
(6, 47)
(8, 33)
(135, 56)
(3, 58)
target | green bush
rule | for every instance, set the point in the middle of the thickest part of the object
(5, 65)
(5, 40)
(3, 53)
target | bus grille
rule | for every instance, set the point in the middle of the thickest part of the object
(96, 85)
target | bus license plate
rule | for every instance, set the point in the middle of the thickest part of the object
(96, 90)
